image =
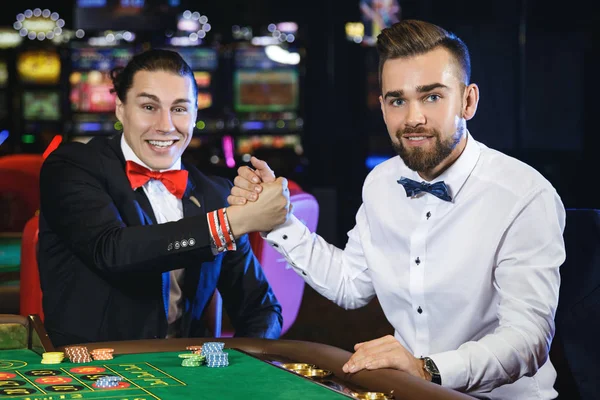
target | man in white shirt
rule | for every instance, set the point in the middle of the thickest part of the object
(460, 243)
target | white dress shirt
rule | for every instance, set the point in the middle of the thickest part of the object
(472, 283)
(167, 208)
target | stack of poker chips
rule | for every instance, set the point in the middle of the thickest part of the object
(215, 356)
(191, 360)
(195, 349)
(217, 360)
(102, 354)
(109, 381)
(78, 354)
(53, 357)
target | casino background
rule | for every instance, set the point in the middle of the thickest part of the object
(294, 82)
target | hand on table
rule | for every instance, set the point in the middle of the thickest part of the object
(385, 352)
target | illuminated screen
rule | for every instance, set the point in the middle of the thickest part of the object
(249, 144)
(204, 100)
(3, 73)
(204, 59)
(90, 92)
(100, 59)
(265, 90)
(39, 66)
(202, 79)
(42, 106)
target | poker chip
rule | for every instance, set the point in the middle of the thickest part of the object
(217, 360)
(212, 347)
(108, 381)
(102, 354)
(53, 357)
(78, 354)
(194, 348)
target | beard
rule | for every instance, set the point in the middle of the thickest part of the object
(421, 160)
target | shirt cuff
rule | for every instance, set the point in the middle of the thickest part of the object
(453, 370)
(222, 238)
(287, 235)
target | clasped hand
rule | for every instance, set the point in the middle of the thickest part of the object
(272, 208)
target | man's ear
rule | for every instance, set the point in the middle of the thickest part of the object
(119, 109)
(470, 102)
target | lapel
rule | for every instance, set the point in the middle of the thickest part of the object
(192, 200)
(135, 201)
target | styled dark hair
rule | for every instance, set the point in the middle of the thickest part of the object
(151, 60)
(409, 38)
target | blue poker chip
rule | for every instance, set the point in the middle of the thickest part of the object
(110, 378)
(108, 384)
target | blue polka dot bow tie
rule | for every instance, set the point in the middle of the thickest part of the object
(438, 189)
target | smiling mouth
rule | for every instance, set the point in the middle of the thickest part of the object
(415, 138)
(161, 144)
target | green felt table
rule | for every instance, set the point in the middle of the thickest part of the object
(153, 376)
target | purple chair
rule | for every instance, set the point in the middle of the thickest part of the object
(287, 285)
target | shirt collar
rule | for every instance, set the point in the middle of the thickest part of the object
(131, 156)
(456, 175)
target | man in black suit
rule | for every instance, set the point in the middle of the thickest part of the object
(132, 243)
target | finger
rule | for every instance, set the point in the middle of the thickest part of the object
(249, 174)
(244, 184)
(283, 182)
(354, 364)
(243, 193)
(263, 169)
(235, 200)
(380, 362)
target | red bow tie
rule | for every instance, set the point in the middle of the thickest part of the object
(175, 181)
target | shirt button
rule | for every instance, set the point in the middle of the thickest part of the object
(420, 310)
(417, 261)
(303, 273)
(428, 214)
(275, 245)
(285, 237)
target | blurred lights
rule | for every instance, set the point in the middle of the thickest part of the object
(38, 24)
(355, 31)
(3, 136)
(282, 56)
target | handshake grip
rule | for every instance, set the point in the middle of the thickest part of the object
(263, 215)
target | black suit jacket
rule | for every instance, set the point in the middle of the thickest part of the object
(102, 254)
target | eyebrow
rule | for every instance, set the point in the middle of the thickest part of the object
(155, 98)
(420, 89)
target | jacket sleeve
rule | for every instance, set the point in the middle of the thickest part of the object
(247, 296)
(79, 210)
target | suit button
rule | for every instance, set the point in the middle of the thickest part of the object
(184, 243)
(170, 247)
(192, 242)
(177, 245)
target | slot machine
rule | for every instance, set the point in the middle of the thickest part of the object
(39, 96)
(267, 100)
(92, 105)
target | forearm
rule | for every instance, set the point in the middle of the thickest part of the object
(339, 275)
